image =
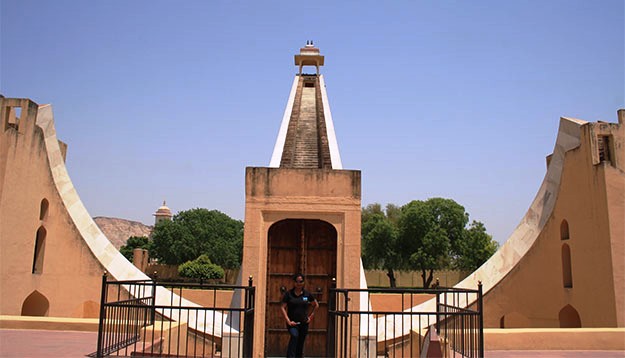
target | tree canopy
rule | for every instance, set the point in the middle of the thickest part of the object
(476, 247)
(194, 232)
(423, 235)
(379, 237)
(132, 243)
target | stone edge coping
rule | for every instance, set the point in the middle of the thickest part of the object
(49, 323)
(554, 339)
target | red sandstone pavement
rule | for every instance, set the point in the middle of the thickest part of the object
(554, 354)
(16, 343)
(46, 344)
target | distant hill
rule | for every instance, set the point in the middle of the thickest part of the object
(119, 230)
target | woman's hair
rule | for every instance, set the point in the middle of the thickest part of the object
(297, 275)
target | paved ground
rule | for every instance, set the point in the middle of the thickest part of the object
(16, 343)
(554, 354)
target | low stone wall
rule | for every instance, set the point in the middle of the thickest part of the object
(49, 323)
(396, 301)
(446, 278)
(375, 278)
(170, 273)
(554, 339)
(209, 298)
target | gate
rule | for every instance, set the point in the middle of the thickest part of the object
(451, 327)
(299, 246)
(145, 318)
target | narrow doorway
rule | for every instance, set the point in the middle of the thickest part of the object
(299, 246)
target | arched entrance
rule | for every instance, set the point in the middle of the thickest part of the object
(569, 318)
(309, 247)
(35, 304)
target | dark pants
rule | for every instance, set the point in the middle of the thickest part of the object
(296, 343)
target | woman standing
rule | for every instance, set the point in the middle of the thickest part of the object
(295, 304)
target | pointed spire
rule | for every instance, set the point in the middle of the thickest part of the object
(316, 108)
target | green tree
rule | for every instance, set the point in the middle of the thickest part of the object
(371, 210)
(379, 236)
(194, 232)
(476, 247)
(451, 217)
(436, 236)
(424, 240)
(393, 212)
(423, 235)
(201, 268)
(133, 242)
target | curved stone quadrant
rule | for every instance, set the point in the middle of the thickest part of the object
(71, 252)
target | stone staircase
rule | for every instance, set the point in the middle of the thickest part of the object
(306, 144)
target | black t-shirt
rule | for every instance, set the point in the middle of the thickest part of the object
(297, 306)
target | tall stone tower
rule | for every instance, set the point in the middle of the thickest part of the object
(302, 214)
(162, 213)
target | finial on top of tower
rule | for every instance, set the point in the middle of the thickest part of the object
(309, 56)
(163, 213)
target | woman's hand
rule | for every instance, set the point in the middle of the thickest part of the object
(315, 305)
(291, 323)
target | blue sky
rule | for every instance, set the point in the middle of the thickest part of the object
(172, 100)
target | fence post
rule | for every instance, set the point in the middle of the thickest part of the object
(102, 315)
(252, 313)
(250, 281)
(331, 342)
(346, 324)
(153, 310)
(438, 316)
(481, 309)
(248, 316)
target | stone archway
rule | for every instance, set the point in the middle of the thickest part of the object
(299, 246)
(87, 309)
(514, 319)
(35, 304)
(569, 318)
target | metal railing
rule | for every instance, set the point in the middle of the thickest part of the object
(146, 318)
(445, 322)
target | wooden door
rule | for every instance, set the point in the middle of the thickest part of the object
(299, 246)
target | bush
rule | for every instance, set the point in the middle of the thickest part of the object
(201, 268)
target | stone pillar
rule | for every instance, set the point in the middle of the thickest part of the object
(140, 258)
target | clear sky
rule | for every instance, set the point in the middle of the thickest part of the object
(173, 99)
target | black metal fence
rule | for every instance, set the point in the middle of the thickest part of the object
(154, 319)
(442, 322)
